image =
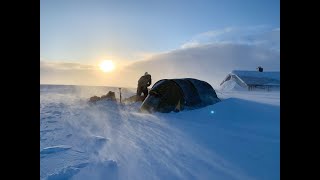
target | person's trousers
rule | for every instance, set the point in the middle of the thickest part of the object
(143, 90)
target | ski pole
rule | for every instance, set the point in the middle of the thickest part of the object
(120, 94)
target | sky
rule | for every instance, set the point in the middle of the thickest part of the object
(75, 35)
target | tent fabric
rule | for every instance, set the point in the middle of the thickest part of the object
(190, 94)
(206, 92)
(168, 95)
(164, 96)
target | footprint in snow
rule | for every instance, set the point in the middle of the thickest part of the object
(96, 143)
(99, 170)
(50, 130)
(56, 112)
(52, 121)
(67, 172)
(100, 139)
(54, 149)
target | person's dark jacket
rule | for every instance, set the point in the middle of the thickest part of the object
(145, 81)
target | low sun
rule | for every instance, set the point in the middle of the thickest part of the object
(106, 66)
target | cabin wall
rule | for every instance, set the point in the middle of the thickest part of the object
(263, 87)
(238, 81)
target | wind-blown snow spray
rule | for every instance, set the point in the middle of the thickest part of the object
(104, 140)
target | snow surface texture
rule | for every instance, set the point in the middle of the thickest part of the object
(238, 138)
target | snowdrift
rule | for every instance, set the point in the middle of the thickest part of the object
(237, 138)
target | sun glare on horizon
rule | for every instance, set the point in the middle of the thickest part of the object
(106, 66)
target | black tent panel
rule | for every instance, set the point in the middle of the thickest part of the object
(206, 92)
(190, 93)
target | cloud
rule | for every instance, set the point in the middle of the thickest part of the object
(83, 74)
(205, 38)
(72, 73)
(209, 56)
(209, 62)
(263, 36)
(66, 66)
(144, 55)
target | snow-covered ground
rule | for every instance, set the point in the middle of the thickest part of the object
(237, 138)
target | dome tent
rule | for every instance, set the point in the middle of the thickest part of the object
(168, 95)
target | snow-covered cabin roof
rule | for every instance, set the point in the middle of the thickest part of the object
(258, 78)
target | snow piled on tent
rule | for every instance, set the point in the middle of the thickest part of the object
(237, 138)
